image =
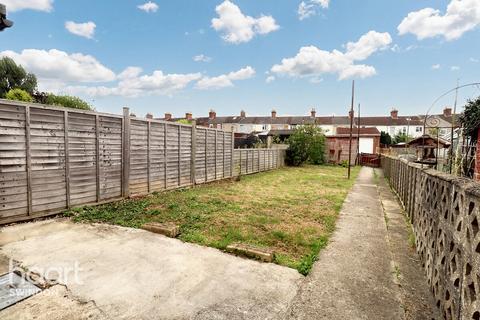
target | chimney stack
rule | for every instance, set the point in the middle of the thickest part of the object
(149, 116)
(313, 113)
(212, 114)
(447, 112)
(242, 114)
(188, 116)
(274, 114)
(168, 116)
(394, 113)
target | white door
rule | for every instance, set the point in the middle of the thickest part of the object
(366, 145)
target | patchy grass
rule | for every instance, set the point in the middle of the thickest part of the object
(291, 210)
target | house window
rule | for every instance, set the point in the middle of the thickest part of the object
(404, 130)
(418, 129)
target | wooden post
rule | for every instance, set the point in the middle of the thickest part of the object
(28, 159)
(232, 160)
(246, 161)
(351, 128)
(264, 159)
(97, 153)
(206, 156)
(67, 158)
(258, 160)
(165, 158)
(240, 172)
(179, 154)
(223, 161)
(149, 142)
(193, 157)
(215, 154)
(126, 153)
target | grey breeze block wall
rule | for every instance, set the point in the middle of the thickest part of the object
(52, 159)
(444, 211)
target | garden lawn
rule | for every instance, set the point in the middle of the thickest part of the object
(291, 210)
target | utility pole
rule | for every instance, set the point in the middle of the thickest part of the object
(351, 129)
(357, 161)
(452, 129)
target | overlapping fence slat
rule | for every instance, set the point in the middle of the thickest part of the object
(54, 158)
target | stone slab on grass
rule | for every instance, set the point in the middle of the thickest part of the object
(167, 229)
(262, 254)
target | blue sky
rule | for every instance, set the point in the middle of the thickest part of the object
(124, 53)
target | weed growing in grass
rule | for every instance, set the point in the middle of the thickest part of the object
(291, 210)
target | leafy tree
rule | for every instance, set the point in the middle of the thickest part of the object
(470, 118)
(19, 95)
(401, 137)
(385, 138)
(307, 143)
(67, 102)
(14, 76)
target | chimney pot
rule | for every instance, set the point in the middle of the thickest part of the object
(168, 116)
(188, 116)
(274, 114)
(313, 113)
(394, 113)
(212, 114)
(149, 116)
(242, 114)
(447, 112)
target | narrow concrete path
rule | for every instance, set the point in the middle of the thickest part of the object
(356, 276)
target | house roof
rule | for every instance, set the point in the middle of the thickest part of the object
(428, 140)
(321, 120)
(367, 131)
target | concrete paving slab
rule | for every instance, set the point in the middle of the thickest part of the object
(353, 278)
(127, 273)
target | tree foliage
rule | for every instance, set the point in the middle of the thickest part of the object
(13, 76)
(306, 144)
(401, 137)
(19, 95)
(385, 138)
(470, 118)
(67, 102)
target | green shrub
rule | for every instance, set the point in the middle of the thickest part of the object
(67, 102)
(19, 95)
(307, 143)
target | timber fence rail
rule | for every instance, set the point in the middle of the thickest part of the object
(444, 211)
(53, 159)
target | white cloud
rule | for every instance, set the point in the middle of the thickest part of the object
(17, 5)
(148, 7)
(86, 29)
(270, 79)
(237, 27)
(461, 16)
(59, 65)
(132, 84)
(454, 68)
(225, 80)
(436, 67)
(202, 58)
(474, 60)
(312, 61)
(309, 8)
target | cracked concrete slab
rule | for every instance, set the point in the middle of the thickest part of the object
(129, 273)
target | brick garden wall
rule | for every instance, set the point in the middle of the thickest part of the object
(444, 211)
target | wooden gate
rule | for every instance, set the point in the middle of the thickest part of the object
(370, 160)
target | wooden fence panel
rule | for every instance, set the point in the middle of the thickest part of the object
(138, 157)
(13, 160)
(110, 146)
(201, 156)
(82, 158)
(157, 156)
(55, 158)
